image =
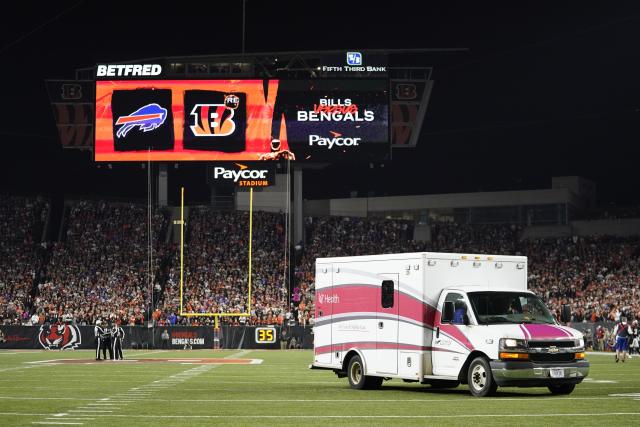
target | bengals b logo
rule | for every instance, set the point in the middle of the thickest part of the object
(212, 120)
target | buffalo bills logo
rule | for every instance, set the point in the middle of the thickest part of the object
(59, 337)
(146, 119)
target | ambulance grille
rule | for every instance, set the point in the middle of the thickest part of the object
(549, 357)
(547, 344)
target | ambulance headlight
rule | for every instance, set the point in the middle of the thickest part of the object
(512, 344)
(580, 343)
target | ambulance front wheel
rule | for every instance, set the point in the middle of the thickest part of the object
(357, 379)
(480, 379)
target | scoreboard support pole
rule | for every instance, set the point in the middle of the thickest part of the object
(181, 244)
(250, 247)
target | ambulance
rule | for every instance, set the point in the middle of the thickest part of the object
(441, 319)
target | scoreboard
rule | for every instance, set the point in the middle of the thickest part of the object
(242, 120)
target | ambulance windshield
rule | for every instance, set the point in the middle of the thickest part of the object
(509, 307)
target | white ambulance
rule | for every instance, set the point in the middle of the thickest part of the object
(441, 319)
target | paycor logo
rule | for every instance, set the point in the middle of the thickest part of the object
(338, 140)
(124, 70)
(244, 177)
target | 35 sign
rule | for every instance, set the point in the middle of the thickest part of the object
(266, 335)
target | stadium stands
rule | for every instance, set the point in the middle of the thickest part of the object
(216, 259)
(21, 225)
(100, 266)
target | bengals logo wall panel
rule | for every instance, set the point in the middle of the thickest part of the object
(215, 121)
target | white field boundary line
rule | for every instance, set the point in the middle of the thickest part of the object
(536, 415)
(545, 398)
(129, 353)
(20, 368)
(133, 394)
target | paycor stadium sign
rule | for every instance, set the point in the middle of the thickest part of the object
(244, 174)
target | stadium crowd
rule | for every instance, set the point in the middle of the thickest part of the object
(216, 261)
(21, 225)
(99, 269)
(598, 276)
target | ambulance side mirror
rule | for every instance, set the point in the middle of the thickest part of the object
(565, 313)
(447, 312)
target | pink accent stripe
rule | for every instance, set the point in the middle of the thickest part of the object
(362, 298)
(365, 299)
(453, 332)
(372, 345)
(563, 328)
(545, 331)
(526, 333)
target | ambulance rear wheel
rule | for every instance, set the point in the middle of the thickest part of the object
(355, 372)
(373, 383)
(561, 388)
(480, 379)
(357, 379)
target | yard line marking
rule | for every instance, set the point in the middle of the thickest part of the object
(42, 398)
(55, 423)
(89, 411)
(21, 368)
(150, 352)
(301, 416)
(100, 407)
(18, 414)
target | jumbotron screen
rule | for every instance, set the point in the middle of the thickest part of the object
(302, 120)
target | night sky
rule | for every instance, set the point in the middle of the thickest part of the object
(542, 91)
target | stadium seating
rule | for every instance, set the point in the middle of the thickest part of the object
(216, 259)
(99, 269)
(21, 226)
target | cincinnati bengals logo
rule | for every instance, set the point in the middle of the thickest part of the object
(71, 91)
(406, 91)
(212, 120)
(59, 337)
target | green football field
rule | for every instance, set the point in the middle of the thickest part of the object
(63, 388)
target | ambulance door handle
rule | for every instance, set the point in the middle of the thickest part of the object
(380, 325)
(438, 332)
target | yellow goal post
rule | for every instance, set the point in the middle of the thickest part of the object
(181, 222)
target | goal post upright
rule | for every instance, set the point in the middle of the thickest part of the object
(216, 316)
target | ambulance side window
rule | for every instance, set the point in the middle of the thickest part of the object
(387, 294)
(457, 309)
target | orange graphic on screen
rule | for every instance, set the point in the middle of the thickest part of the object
(205, 120)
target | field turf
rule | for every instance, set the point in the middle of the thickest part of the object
(281, 391)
